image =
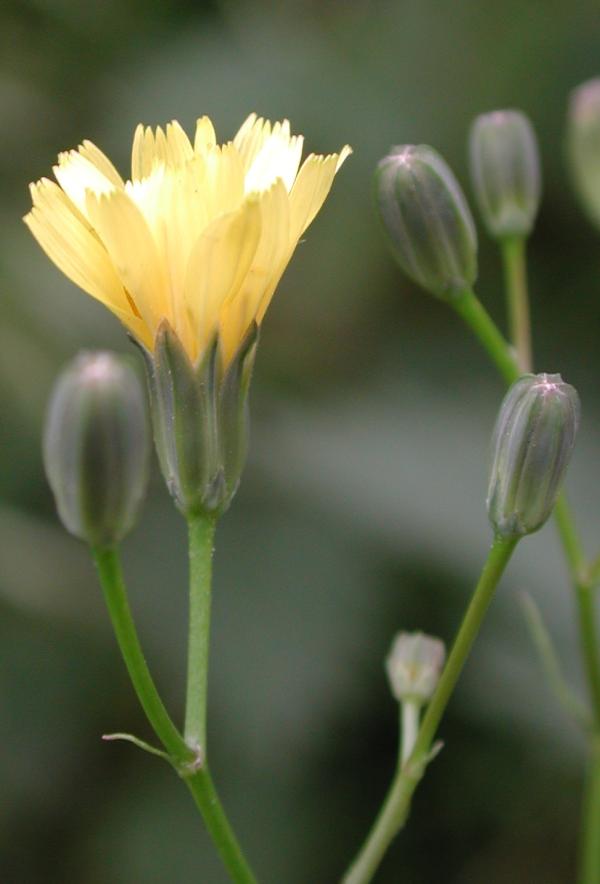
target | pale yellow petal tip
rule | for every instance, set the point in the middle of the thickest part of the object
(345, 152)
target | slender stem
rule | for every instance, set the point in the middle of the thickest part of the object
(111, 577)
(515, 274)
(410, 728)
(396, 807)
(468, 305)
(494, 343)
(583, 576)
(201, 532)
(204, 793)
(590, 841)
(589, 644)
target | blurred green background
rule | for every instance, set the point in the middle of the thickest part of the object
(362, 507)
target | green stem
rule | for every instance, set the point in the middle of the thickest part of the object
(111, 577)
(582, 576)
(201, 532)
(396, 807)
(203, 791)
(515, 274)
(468, 305)
(590, 841)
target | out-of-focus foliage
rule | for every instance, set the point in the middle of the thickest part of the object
(362, 510)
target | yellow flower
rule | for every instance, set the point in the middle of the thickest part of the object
(200, 235)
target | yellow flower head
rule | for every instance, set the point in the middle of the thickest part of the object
(200, 235)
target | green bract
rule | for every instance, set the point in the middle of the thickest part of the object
(505, 170)
(531, 447)
(96, 447)
(200, 419)
(427, 220)
(584, 145)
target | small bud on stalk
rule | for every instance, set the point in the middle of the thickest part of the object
(532, 445)
(427, 220)
(414, 666)
(584, 145)
(200, 418)
(505, 171)
(97, 446)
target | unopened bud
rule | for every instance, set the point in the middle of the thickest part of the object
(427, 220)
(531, 448)
(414, 666)
(505, 170)
(97, 446)
(584, 145)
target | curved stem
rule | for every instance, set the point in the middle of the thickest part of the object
(396, 807)
(515, 274)
(113, 586)
(201, 532)
(470, 308)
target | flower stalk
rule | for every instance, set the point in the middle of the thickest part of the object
(515, 274)
(396, 807)
(201, 531)
(189, 761)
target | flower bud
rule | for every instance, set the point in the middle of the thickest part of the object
(505, 171)
(414, 666)
(97, 446)
(531, 447)
(584, 145)
(427, 220)
(200, 419)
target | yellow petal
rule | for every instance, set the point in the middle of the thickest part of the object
(250, 138)
(76, 175)
(74, 249)
(224, 180)
(279, 157)
(205, 137)
(179, 148)
(218, 264)
(266, 269)
(311, 188)
(142, 153)
(92, 153)
(132, 249)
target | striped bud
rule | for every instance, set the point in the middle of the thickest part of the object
(505, 171)
(531, 448)
(96, 447)
(427, 220)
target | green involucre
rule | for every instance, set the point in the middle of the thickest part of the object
(427, 220)
(531, 448)
(505, 171)
(200, 419)
(97, 446)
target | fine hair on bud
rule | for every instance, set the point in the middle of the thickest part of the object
(531, 448)
(505, 172)
(427, 220)
(97, 447)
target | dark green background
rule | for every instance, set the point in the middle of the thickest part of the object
(362, 507)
